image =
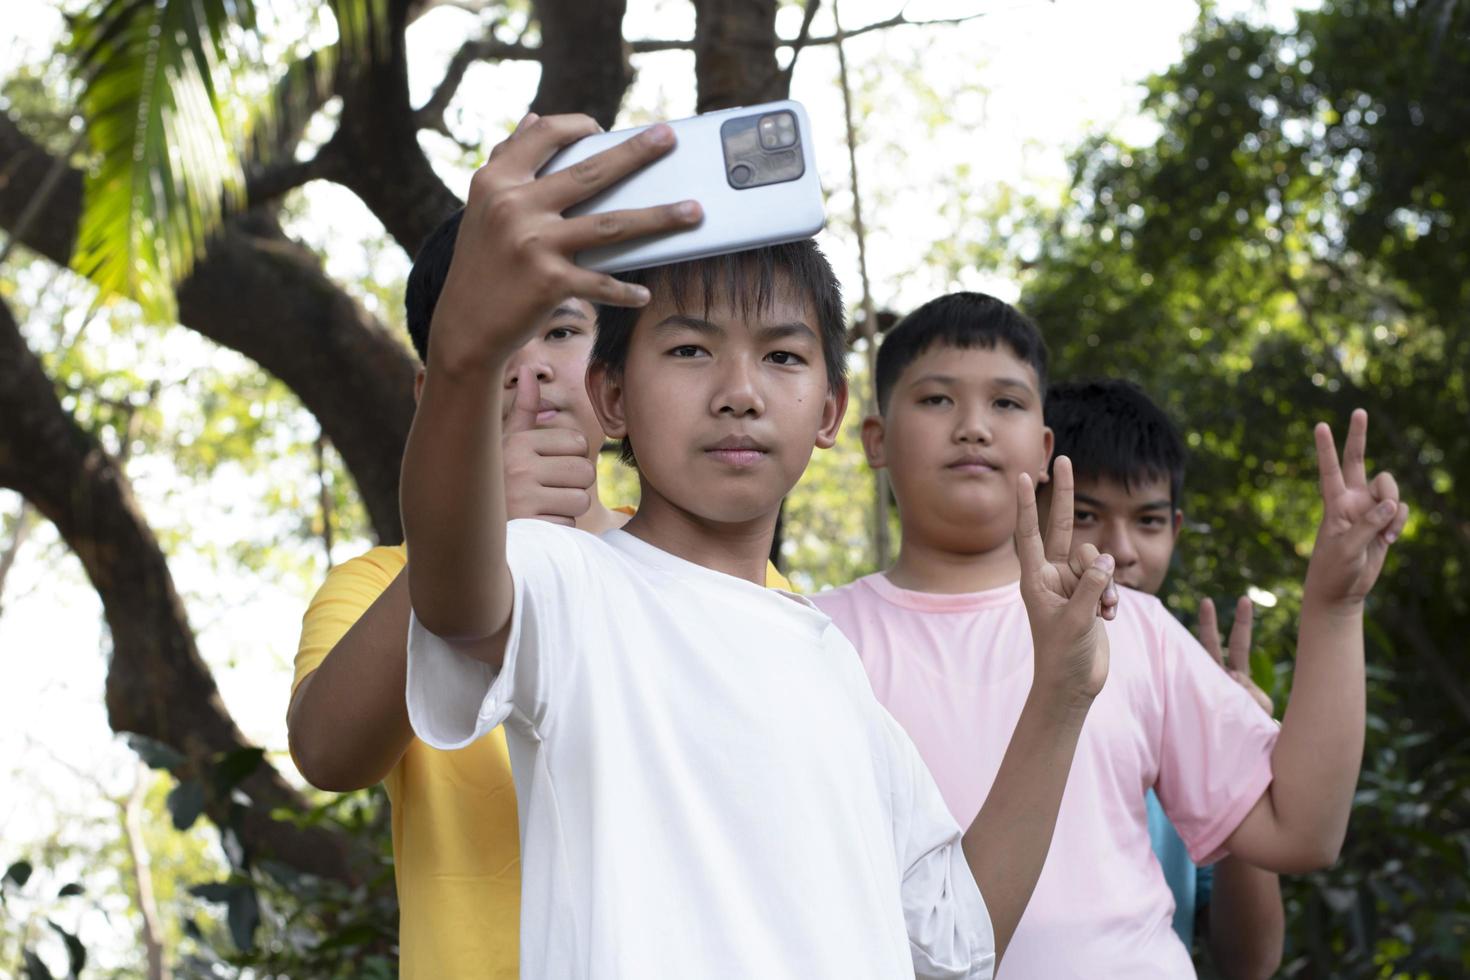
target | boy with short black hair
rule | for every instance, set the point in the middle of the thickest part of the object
(1128, 466)
(707, 787)
(943, 637)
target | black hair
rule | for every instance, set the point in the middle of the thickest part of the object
(751, 281)
(965, 321)
(426, 280)
(1111, 429)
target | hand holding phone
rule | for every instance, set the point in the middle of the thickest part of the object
(513, 257)
(752, 170)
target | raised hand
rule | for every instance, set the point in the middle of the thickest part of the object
(1360, 519)
(547, 473)
(1068, 593)
(1237, 662)
(514, 255)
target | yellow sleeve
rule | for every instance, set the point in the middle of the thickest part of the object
(775, 580)
(347, 593)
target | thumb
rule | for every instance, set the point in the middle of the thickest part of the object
(1089, 590)
(527, 398)
(1357, 538)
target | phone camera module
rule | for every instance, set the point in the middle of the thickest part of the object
(777, 130)
(740, 174)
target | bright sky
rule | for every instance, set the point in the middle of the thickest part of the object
(1011, 93)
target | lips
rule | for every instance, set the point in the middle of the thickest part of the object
(974, 465)
(737, 451)
(546, 411)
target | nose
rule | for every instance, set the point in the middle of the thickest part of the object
(530, 355)
(972, 428)
(1119, 543)
(738, 394)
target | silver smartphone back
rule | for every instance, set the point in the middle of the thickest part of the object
(751, 169)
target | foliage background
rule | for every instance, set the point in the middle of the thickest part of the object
(1287, 238)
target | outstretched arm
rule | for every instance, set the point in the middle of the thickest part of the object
(1300, 821)
(513, 262)
(1067, 594)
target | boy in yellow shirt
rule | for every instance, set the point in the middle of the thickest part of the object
(456, 844)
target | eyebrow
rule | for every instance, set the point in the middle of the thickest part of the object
(568, 310)
(949, 379)
(775, 331)
(1083, 498)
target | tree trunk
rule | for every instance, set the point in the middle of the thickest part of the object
(157, 684)
(735, 54)
(584, 64)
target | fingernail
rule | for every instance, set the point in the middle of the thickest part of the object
(1104, 562)
(659, 135)
(1391, 537)
(687, 209)
(640, 294)
(1387, 509)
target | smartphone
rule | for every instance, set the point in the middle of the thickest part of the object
(751, 169)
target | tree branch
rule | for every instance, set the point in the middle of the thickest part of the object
(157, 683)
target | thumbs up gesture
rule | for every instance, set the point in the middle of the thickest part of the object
(548, 473)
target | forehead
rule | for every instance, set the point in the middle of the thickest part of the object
(970, 366)
(1147, 490)
(736, 316)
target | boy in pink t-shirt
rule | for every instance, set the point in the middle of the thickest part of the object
(943, 635)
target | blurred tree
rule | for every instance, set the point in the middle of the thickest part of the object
(1296, 243)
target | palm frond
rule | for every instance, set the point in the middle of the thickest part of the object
(172, 92)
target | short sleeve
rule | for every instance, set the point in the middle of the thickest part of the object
(453, 698)
(349, 589)
(950, 934)
(1216, 744)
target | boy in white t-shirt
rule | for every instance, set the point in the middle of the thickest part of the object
(707, 786)
(943, 637)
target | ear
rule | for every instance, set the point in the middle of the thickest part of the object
(418, 384)
(605, 392)
(1178, 521)
(1049, 442)
(873, 442)
(834, 410)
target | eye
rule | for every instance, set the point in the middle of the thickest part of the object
(1008, 404)
(1082, 517)
(785, 358)
(687, 351)
(561, 333)
(1151, 522)
(936, 400)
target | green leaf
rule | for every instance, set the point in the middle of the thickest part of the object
(243, 917)
(154, 753)
(234, 767)
(76, 953)
(34, 968)
(19, 872)
(186, 802)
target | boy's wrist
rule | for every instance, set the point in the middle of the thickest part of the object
(1058, 703)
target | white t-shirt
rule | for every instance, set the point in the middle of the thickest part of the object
(707, 786)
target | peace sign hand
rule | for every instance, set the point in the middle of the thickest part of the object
(1238, 662)
(1360, 519)
(1068, 593)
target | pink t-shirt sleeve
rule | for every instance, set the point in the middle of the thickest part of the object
(1216, 743)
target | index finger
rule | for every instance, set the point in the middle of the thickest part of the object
(527, 399)
(537, 140)
(1240, 635)
(601, 170)
(1209, 629)
(1354, 470)
(1059, 515)
(1028, 527)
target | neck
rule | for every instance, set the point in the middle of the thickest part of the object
(739, 549)
(926, 566)
(598, 518)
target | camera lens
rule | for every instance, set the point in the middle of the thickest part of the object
(740, 174)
